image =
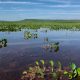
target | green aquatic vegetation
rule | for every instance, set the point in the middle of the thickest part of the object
(73, 66)
(56, 43)
(59, 65)
(78, 71)
(29, 35)
(37, 63)
(54, 46)
(53, 76)
(65, 72)
(30, 69)
(36, 24)
(4, 40)
(74, 73)
(51, 64)
(51, 72)
(35, 35)
(43, 64)
(40, 73)
(74, 70)
(3, 43)
(0, 44)
(42, 61)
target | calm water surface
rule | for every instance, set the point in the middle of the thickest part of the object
(21, 52)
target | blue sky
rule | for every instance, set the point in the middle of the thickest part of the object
(39, 9)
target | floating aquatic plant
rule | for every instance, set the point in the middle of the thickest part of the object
(3, 43)
(29, 35)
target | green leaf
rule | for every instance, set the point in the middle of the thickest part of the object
(51, 63)
(37, 63)
(78, 70)
(42, 61)
(73, 66)
(70, 76)
(54, 75)
(59, 63)
(65, 72)
(30, 68)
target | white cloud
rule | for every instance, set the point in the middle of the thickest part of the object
(21, 9)
(42, 12)
(63, 6)
(66, 13)
(17, 2)
(58, 1)
(16, 10)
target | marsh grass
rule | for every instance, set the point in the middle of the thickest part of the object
(36, 24)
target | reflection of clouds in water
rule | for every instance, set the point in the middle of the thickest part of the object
(46, 39)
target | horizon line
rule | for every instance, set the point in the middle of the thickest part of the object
(40, 19)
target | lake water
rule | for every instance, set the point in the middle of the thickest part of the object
(21, 52)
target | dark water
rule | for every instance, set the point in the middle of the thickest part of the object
(21, 52)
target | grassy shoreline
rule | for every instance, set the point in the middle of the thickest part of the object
(36, 24)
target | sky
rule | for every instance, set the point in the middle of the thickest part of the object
(13, 10)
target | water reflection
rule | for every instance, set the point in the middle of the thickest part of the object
(29, 42)
(46, 39)
(52, 47)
